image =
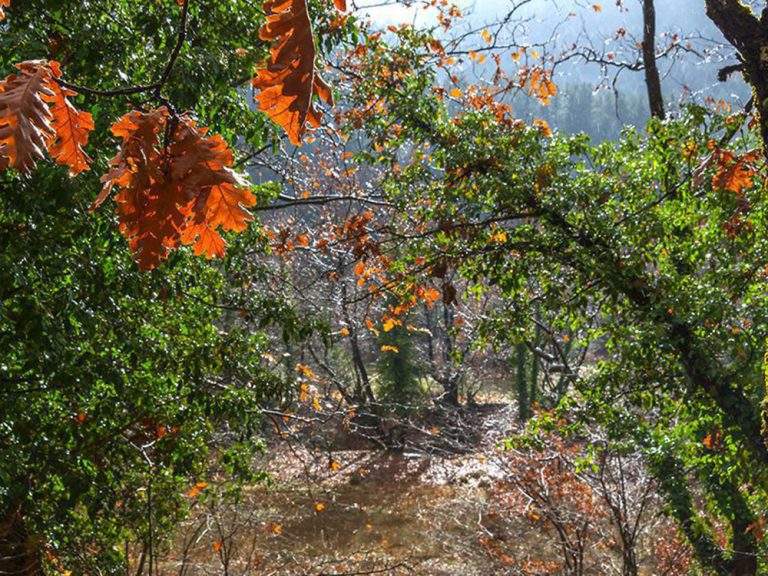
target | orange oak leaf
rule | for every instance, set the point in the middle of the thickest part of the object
(25, 121)
(178, 194)
(148, 202)
(340, 4)
(36, 115)
(288, 81)
(4, 4)
(734, 173)
(71, 128)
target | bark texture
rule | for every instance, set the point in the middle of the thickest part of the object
(652, 78)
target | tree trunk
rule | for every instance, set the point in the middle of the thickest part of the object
(451, 378)
(652, 78)
(700, 368)
(749, 35)
(533, 397)
(19, 551)
(523, 400)
(744, 559)
(363, 392)
(669, 471)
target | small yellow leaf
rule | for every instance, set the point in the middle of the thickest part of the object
(304, 370)
(388, 348)
(543, 127)
(455, 93)
(319, 507)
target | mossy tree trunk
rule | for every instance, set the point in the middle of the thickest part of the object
(521, 380)
(749, 35)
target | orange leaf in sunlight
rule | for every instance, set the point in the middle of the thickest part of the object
(180, 193)
(713, 440)
(71, 128)
(543, 127)
(217, 546)
(288, 80)
(388, 348)
(734, 173)
(340, 5)
(539, 83)
(35, 116)
(4, 4)
(275, 529)
(25, 126)
(304, 370)
(196, 489)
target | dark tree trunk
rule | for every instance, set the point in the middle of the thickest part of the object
(19, 552)
(669, 471)
(749, 35)
(451, 378)
(523, 399)
(652, 78)
(363, 391)
(744, 559)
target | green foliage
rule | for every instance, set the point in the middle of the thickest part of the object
(627, 244)
(399, 376)
(119, 390)
(110, 378)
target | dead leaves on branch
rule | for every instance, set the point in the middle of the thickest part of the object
(25, 126)
(289, 81)
(181, 192)
(176, 184)
(70, 126)
(36, 116)
(734, 173)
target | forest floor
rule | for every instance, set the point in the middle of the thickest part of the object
(360, 511)
(333, 509)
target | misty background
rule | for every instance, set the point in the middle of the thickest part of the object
(597, 99)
